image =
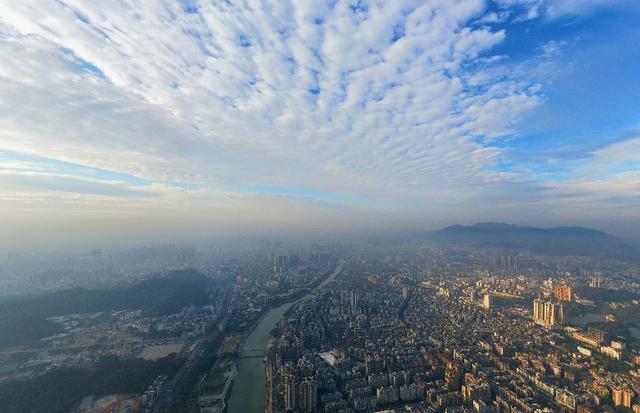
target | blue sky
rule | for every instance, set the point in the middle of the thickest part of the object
(313, 114)
(592, 97)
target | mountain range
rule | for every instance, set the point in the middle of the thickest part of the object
(546, 241)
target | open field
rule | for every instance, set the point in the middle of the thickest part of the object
(160, 351)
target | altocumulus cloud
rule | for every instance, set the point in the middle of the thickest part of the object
(391, 102)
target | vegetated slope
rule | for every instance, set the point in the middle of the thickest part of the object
(23, 320)
(58, 390)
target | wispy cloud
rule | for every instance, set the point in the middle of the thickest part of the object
(531, 9)
(605, 182)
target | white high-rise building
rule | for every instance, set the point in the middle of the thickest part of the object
(290, 393)
(547, 313)
(538, 311)
(487, 301)
(550, 314)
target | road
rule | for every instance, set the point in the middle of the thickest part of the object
(169, 396)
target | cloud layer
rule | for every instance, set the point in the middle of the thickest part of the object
(390, 104)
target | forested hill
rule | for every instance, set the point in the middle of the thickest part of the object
(24, 319)
(58, 390)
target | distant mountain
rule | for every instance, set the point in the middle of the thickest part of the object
(547, 241)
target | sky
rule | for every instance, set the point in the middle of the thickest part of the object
(153, 120)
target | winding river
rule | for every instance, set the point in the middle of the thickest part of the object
(248, 392)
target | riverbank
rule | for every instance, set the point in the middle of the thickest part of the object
(248, 392)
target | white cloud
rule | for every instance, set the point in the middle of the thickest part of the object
(606, 183)
(395, 102)
(249, 93)
(552, 9)
(576, 7)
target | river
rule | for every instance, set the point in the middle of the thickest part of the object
(248, 392)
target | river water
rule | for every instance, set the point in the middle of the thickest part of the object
(248, 392)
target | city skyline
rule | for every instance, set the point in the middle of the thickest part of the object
(176, 119)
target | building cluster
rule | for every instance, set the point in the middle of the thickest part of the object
(150, 394)
(415, 329)
(548, 313)
(370, 343)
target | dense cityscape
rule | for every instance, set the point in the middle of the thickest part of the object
(478, 342)
(424, 327)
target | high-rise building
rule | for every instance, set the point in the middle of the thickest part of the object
(309, 396)
(549, 313)
(595, 282)
(290, 393)
(353, 301)
(508, 262)
(538, 311)
(616, 396)
(622, 397)
(563, 293)
(280, 262)
(487, 301)
(385, 395)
